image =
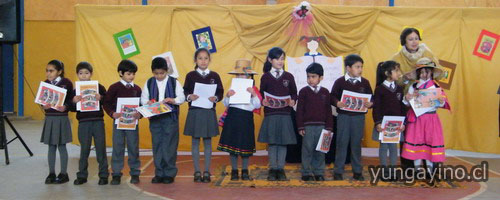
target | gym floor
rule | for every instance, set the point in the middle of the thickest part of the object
(24, 178)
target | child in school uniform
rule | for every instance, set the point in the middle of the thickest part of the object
(165, 127)
(90, 125)
(56, 130)
(124, 88)
(350, 125)
(237, 136)
(387, 101)
(202, 122)
(277, 128)
(424, 134)
(314, 113)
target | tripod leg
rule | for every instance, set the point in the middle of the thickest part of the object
(7, 161)
(17, 135)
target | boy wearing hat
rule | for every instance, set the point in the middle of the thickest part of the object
(164, 128)
(237, 136)
(314, 114)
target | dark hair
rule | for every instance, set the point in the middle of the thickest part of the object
(384, 68)
(273, 53)
(351, 59)
(84, 65)
(406, 32)
(58, 65)
(315, 68)
(159, 63)
(198, 51)
(420, 69)
(127, 66)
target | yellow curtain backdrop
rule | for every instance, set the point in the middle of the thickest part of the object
(249, 31)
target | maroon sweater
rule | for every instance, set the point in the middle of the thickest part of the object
(115, 91)
(387, 102)
(341, 84)
(94, 115)
(314, 108)
(281, 86)
(66, 84)
(211, 78)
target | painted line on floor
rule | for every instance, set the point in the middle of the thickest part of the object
(482, 189)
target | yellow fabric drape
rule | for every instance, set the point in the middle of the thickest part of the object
(249, 31)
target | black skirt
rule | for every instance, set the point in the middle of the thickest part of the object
(238, 136)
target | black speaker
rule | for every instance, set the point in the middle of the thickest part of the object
(10, 21)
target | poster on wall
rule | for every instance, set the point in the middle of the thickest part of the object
(50, 94)
(172, 68)
(486, 44)
(332, 66)
(126, 43)
(203, 38)
(448, 74)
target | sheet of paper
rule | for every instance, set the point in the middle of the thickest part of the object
(277, 101)
(391, 126)
(354, 101)
(204, 91)
(88, 91)
(127, 107)
(241, 95)
(154, 109)
(324, 141)
(50, 94)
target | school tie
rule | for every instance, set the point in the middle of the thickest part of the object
(392, 86)
(315, 89)
(352, 80)
(129, 85)
(53, 82)
(203, 73)
(277, 73)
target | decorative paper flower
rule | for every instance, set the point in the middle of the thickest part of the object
(302, 10)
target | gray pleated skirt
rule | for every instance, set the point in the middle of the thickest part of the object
(201, 123)
(56, 130)
(277, 129)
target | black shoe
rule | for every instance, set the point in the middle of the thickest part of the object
(79, 181)
(358, 177)
(234, 175)
(272, 175)
(116, 180)
(103, 181)
(244, 175)
(135, 179)
(62, 178)
(157, 180)
(197, 177)
(168, 180)
(281, 175)
(307, 178)
(51, 179)
(319, 178)
(337, 177)
(206, 177)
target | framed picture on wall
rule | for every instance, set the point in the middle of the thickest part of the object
(126, 43)
(448, 74)
(486, 44)
(203, 38)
